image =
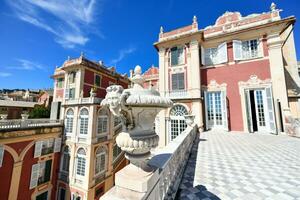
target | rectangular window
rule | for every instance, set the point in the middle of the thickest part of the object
(40, 173)
(116, 152)
(72, 77)
(102, 124)
(244, 50)
(60, 83)
(44, 172)
(43, 196)
(98, 80)
(177, 56)
(71, 93)
(178, 81)
(250, 49)
(61, 193)
(80, 170)
(84, 125)
(48, 146)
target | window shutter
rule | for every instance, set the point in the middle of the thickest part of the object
(38, 149)
(1, 155)
(67, 93)
(34, 175)
(57, 144)
(237, 50)
(224, 105)
(270, 109)
(222, 53)
(202, 55)
(206, 109)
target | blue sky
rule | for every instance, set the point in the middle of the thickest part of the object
(37, 35)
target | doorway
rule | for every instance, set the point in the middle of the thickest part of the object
(259, 110)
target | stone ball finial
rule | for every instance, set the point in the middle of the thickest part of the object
(273, 6)
(194, 19)
(137, 70)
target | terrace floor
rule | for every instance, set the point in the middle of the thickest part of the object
(244, 166)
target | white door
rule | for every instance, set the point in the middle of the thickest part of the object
(260, 108)
(216, 110)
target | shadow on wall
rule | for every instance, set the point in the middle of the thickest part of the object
(186, 189)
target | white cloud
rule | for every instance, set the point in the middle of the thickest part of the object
(24, 64)
(122, 54)
(70, 21)
(5, 74)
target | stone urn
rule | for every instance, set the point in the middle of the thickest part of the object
(93, 92)
(3, 116)
(189, 119)
(137, 108)
(24, 116)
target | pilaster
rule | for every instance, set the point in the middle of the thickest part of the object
(162, 75)
(15, 180)
(194, 70)
(277, 73)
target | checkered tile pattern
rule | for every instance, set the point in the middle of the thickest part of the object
(243, 166)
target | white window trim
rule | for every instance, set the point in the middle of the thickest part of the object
(79, 176)
(68, 116)
(81, 135)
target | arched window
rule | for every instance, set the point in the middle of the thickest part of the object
(178, 124)
(102, 125)
(81, 161)
(66, 159)
(69, 121)
(84, 121)
(100, 162)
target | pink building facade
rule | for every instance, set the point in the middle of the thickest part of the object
(235, 75)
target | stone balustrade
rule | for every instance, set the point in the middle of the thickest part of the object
(86, 100)
(169, 162)
(177, 94)
(28, 123)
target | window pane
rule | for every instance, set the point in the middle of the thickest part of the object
(174, 56)
(97, 80)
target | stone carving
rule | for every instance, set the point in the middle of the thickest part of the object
(137, 108)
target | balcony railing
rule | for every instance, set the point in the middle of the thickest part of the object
(87, 100)
(28, 123)
(177, 94)
(170, 162)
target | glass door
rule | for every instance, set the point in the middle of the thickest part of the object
(215, 110)
(261, 110)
